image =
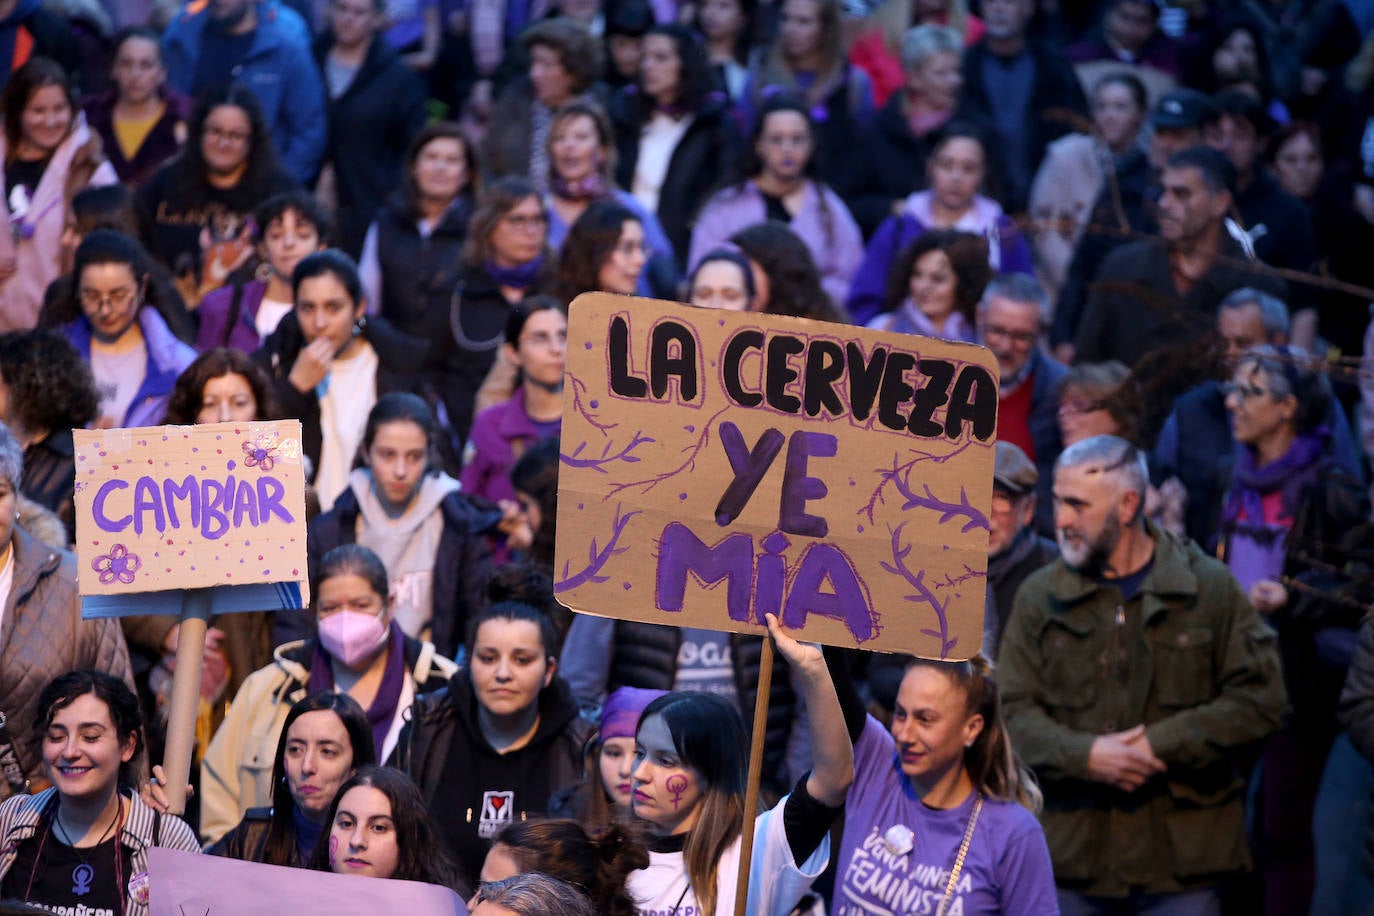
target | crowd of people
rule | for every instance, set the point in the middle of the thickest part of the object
(371, 216)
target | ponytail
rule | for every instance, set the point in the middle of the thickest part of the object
(991, 761)
(618, 854)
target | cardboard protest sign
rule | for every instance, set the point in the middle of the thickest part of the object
(188, 507)
(717, 466)
(183, 883)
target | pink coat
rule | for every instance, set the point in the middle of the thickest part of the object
(36, 257)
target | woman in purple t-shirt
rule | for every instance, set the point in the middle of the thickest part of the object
(941, 816)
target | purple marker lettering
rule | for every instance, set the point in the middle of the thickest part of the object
(98, 507)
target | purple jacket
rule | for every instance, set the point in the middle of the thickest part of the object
(500, 434)
(823, 223)
(214, 318)
(167, 359)
(1007, 248)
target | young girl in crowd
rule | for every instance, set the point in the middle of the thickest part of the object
(605, 794)
(943, 794)
(501, 739)
(935, 287)
(325, 740)
(785, 274)
(49, 154)
(536, 344)
(598, 862)
(329, 363)
(723, 279)
(429, 535)
(122, 331)
(956, 170)
(605, 250)
(691, 758)
(83, 843)
(779, 184)
(360, 650)
(286, 228)
(378, 827)
(142, 120)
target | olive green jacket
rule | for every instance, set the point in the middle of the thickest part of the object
(1189, 658)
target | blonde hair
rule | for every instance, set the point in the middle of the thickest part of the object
(991, 761)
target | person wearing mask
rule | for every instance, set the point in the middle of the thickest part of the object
(378, 827)
(359, 650)
(1143, 798)
(121, 331)
(942, 792)
(329, 363)
(674, 137)
(410, 255)
(1028, 92)
(263, 46)
(46, 391)
(49, 154)
(888, 160)
(501, 738)
(599, 861)
(242, 315)
(778, 183)
(42, 633)
(142, 121)
(564, 64)
(582, 166)
(1015, 548)
(324, 741)
(958, 166)
(1078, 167)
(604, 250)
(413, 515)
(84, 841)
(375, 105)
(199, 203)
(807, 62)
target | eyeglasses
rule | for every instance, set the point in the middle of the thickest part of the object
(545, 339)
(1020, 338)
(119, 299)
(1244, 392)
(220, 135)
(630, 249)
(1079, 405)
(525, 220)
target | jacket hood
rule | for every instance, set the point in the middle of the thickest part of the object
(433, 489)
(981, 218)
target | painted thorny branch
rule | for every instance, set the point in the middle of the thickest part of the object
(598, 464)
(923, 593)
(597, 559)
(953, 581)
(693, 452)
(899, 475)
(579, 390)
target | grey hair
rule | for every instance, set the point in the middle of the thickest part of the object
(536, 894)
(1273, 310)
(925, 40)
(1291, 371)
(11, 457)
(1111, 455)
(1018, 288)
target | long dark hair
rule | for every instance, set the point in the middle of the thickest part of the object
(106, 246)
(968, 258)
(709, 737)
(535, 473)
(421, 855)
(596, 862)
(184, 404)
(23, 83)
(280, 847)
(794, 282)
(439, 130)
(696, 82)
(190, 190)
(590, 243)
(125, 712)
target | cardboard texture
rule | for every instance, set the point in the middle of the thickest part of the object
(182, 507)
(184, 883)
(720, 465)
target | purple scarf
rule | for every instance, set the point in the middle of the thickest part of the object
(383, 709)
(521, 276)
(593, 187)
(1291, 473)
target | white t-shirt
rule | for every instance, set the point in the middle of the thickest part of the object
(118, 376)
(346, 395)
(657, 141)
(270, 314)
(776, 882)
(6, 584)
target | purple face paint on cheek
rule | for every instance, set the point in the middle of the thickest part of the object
(333, 850)
(677, 785)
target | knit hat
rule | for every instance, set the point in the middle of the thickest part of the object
(621, 711)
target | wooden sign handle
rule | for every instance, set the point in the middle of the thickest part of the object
(751, 789)
(181, 718)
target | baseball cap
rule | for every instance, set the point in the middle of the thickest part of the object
(1013, 470)
(1181, 109)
